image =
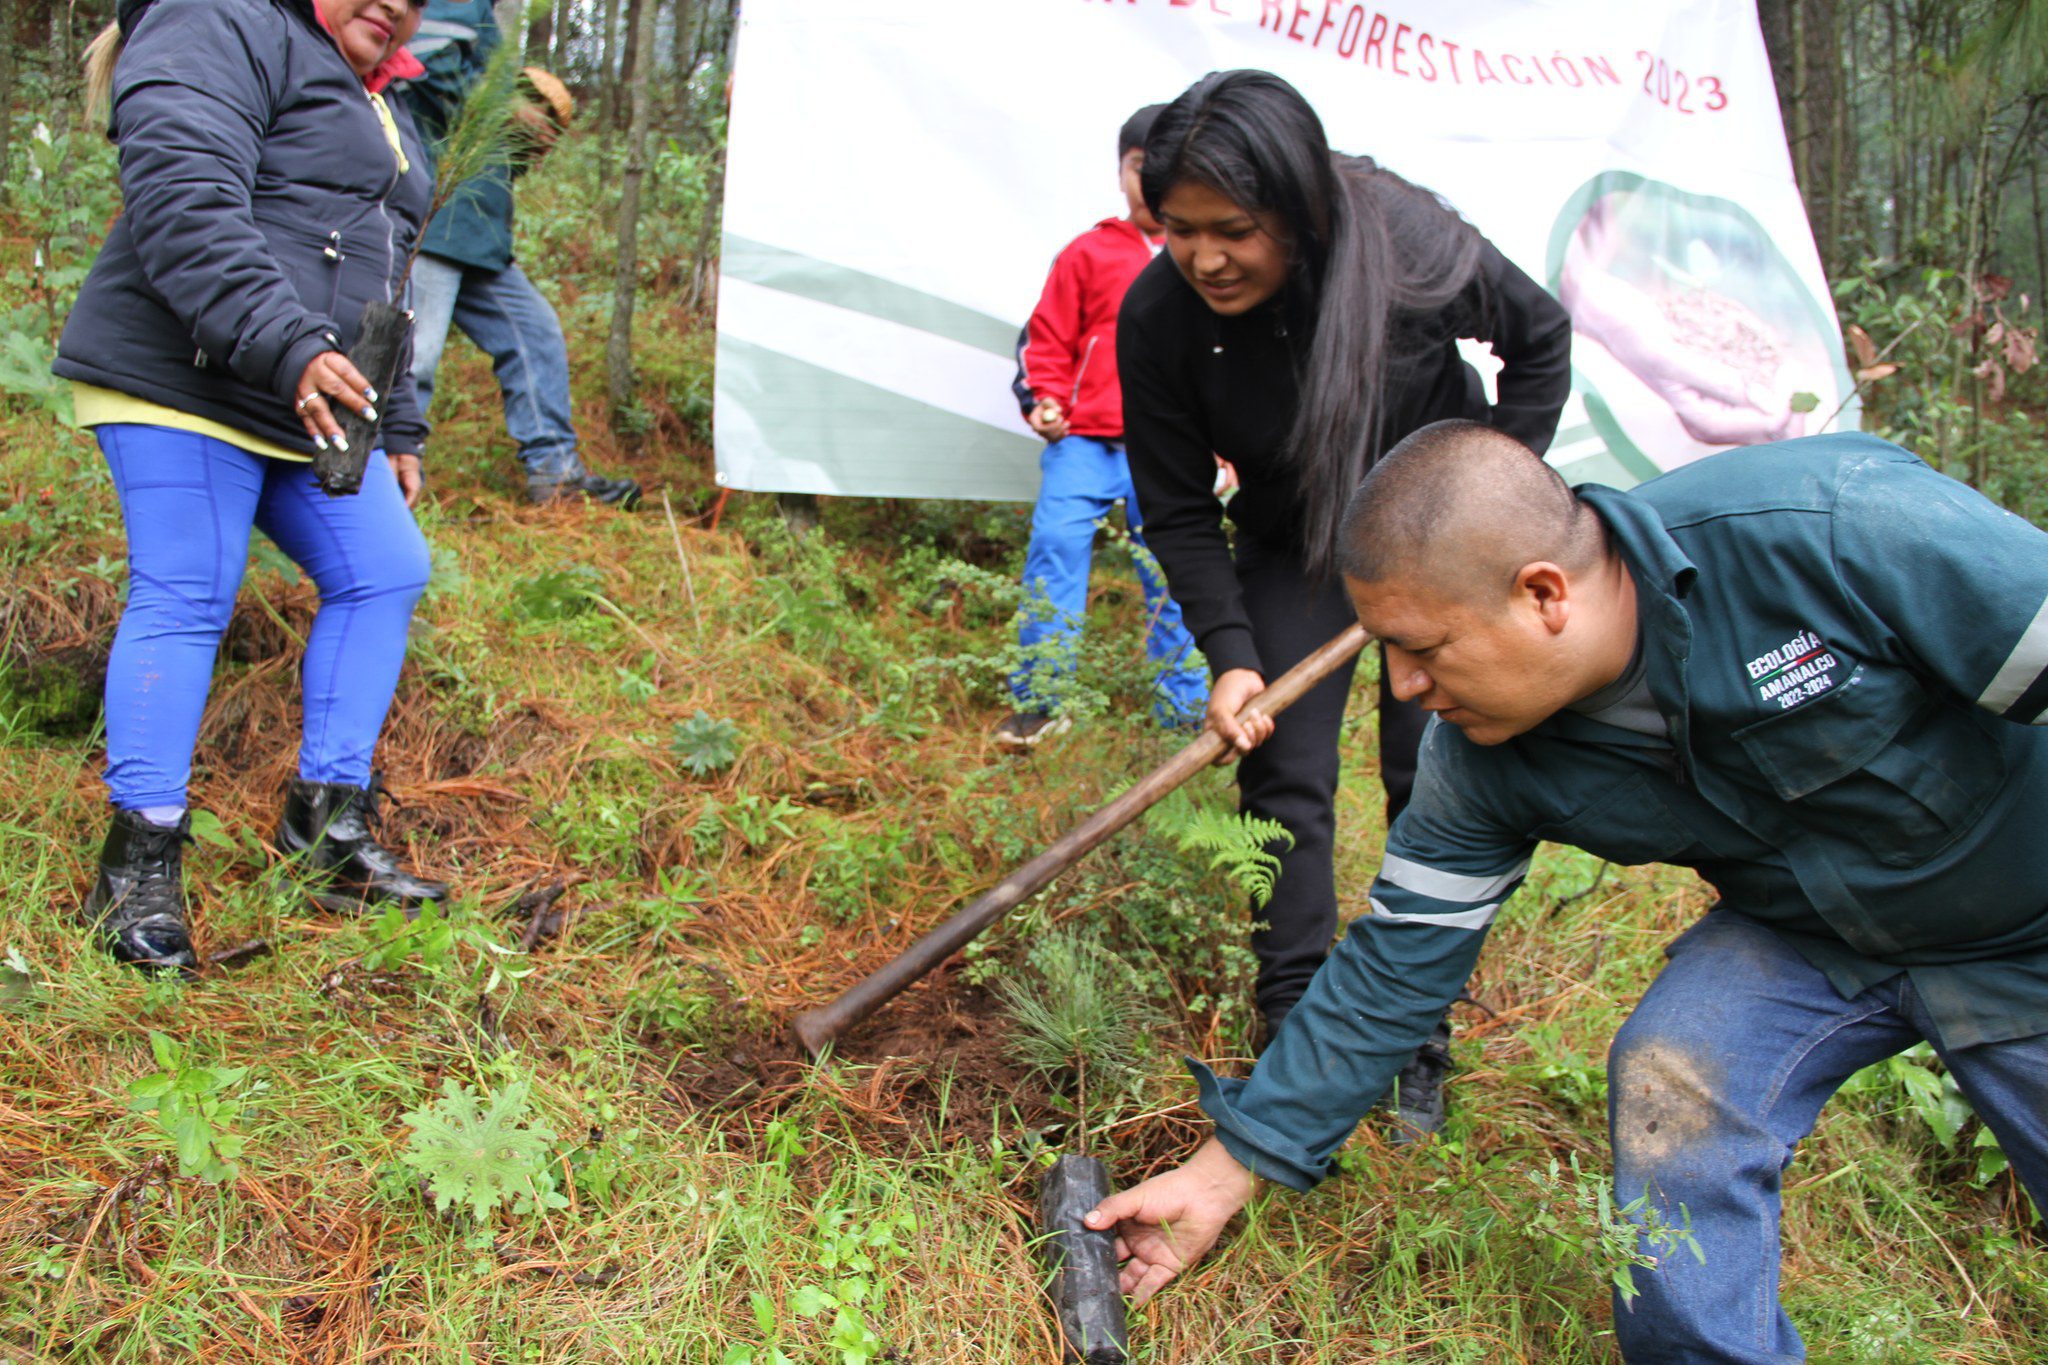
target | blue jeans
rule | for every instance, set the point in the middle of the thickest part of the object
(1713, 1081)
(507, 318)
(1081, 480)
(188, 502)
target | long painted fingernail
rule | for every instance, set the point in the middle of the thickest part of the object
(369, 393)
(320, 443)
(341, 441)
(370, 414)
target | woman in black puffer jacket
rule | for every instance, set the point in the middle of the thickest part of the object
(270, 193)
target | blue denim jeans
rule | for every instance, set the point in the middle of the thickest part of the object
(188, 502)
(1713, 1081)
(509, 321)
(1082, 479)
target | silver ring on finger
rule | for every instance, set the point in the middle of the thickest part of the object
(304, 399)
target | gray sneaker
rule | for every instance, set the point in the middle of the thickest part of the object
(1417, 1097)
(1027, 729)
(622, 493)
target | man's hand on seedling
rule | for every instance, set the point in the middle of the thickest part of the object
(1231, 691)
(1049, 420)
(1164, 1225)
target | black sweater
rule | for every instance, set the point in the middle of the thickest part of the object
(1198, 384)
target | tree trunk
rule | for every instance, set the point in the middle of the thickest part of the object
(618, 351)
(607, 67)
(7, 74)
(629, 67)
(686, 59)
(2040, 233)
(540, 33)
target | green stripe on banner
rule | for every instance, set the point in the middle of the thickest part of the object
(810, 278)
(788, 425)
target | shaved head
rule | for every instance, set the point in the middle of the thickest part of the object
(1459, 509)
(1494, 591)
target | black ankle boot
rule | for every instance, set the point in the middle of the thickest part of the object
(138, 904)
(331, 827)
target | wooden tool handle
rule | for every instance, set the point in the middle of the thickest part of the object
(816, 1029)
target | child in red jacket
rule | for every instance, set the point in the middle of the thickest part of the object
(1067, 386)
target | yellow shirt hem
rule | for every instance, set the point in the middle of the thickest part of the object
(94, 406)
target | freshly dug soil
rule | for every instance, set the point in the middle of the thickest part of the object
(935, 1059)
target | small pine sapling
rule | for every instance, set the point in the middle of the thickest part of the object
(478, 138)
(1078, 1016)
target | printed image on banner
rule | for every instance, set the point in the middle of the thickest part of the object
(900, 177)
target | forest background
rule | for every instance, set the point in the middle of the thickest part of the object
(697, 768)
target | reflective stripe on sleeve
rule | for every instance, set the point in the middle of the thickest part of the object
(1476, 918)
(1447, 886)
(2022, 668)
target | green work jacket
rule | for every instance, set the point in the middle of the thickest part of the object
(1840, 641)
(455, 42)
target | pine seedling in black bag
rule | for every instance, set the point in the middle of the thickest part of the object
(482, 135)
(1078, 1020)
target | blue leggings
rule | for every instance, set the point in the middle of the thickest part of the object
(189, 501)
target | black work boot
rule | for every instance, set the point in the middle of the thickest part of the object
(622, 493)
(137, 905)
(331, 827)
(1417, 1097)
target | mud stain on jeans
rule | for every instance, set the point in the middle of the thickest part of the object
(1664, 1104)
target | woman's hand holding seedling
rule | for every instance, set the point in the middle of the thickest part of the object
(1165, 1224)
(328, 379)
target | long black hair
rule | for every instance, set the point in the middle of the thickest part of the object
(1370, 257)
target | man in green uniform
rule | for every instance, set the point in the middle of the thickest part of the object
(1817, 673)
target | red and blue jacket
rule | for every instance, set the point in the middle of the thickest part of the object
(1068, 349)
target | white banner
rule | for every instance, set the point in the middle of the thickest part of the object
(901, 175)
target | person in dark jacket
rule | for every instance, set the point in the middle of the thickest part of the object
(467, 277)
(1815, 672)
(270, 192)
(1303, 317)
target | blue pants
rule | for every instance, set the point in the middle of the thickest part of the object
(507, 318)
(1713, 1081)
(1081, 480)
(188, 502)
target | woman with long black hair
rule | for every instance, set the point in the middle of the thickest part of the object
(1302, 319)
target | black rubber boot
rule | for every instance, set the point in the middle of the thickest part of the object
(137, 905)
(331, 828)
(621, 493)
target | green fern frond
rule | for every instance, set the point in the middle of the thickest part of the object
(1242, 846)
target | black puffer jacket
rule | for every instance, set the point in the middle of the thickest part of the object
(264, 208)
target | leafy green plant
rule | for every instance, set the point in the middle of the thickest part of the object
(556, 594)
(193, 1109)
(679, 892)
(684, 1012)
(1575, 1218)
(855, 865)
(483, 1155)
(705, 745)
